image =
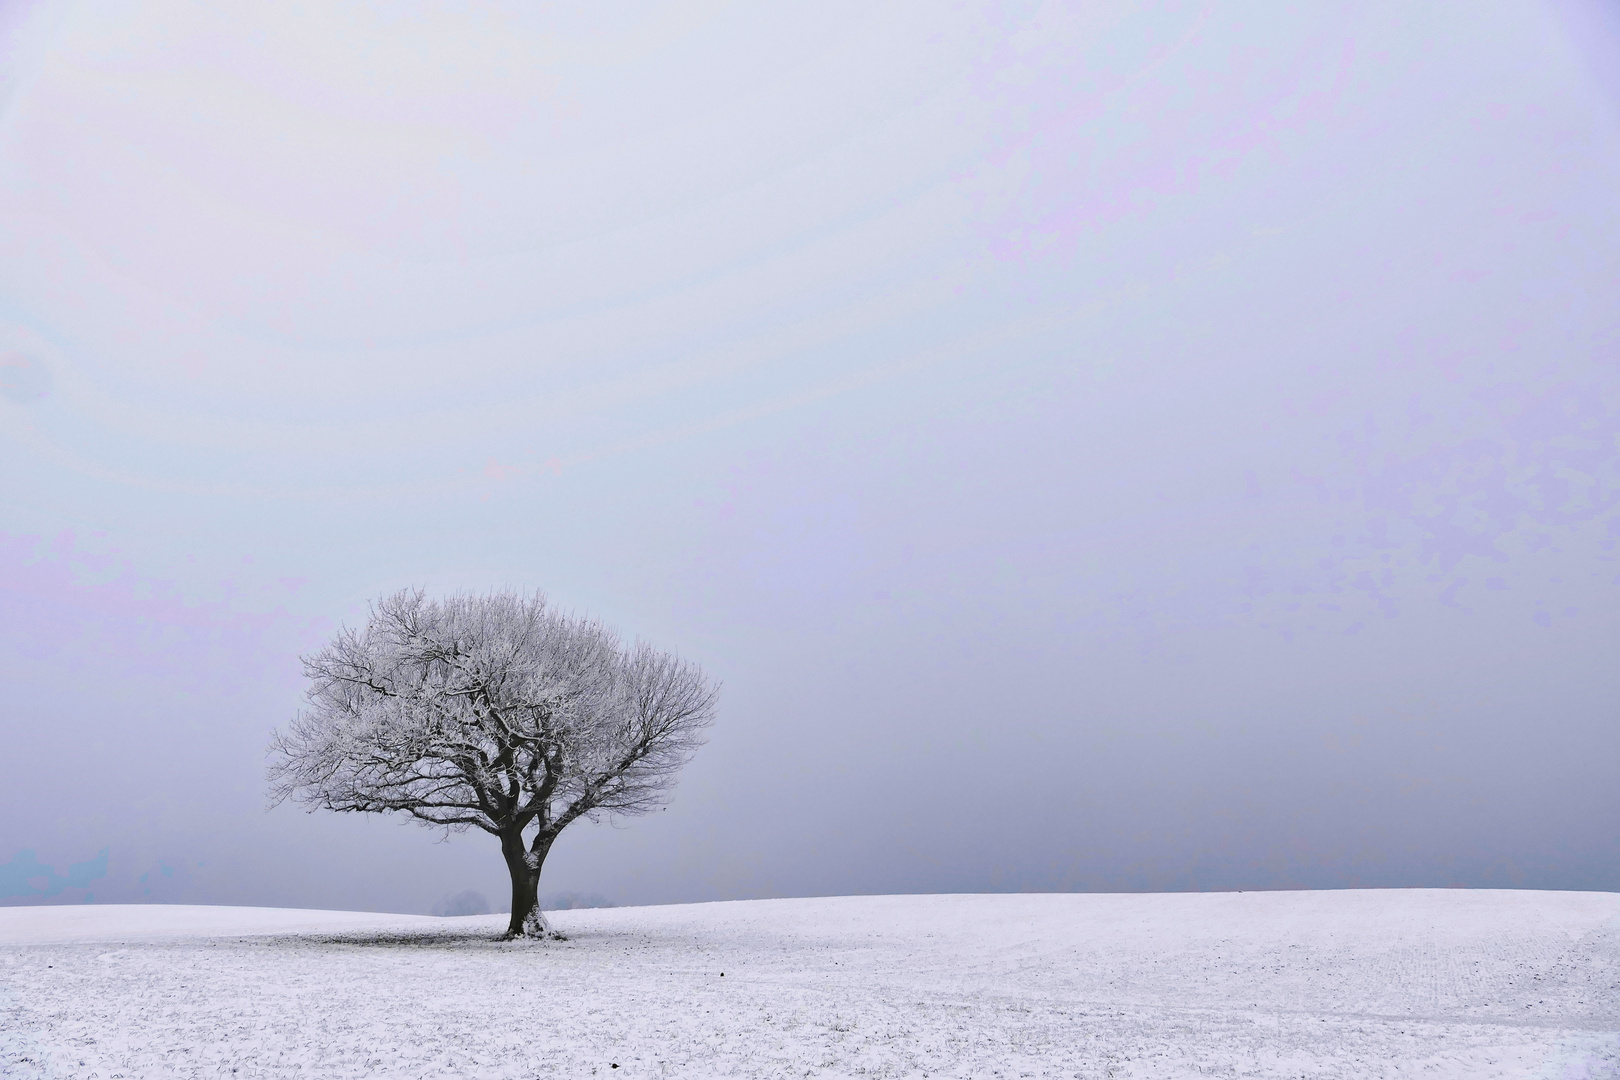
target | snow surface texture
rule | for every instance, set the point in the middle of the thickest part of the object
(1355, 984)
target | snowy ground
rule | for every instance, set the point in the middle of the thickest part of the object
(1344, 984)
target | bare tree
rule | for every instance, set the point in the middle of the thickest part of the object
(494, 712)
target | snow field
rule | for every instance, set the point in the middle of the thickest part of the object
(1361, 983)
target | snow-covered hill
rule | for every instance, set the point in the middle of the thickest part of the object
(1354, 984)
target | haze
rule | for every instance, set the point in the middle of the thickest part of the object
(1098, 447)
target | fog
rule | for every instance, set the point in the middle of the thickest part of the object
(1097, 447)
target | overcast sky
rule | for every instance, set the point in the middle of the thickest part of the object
(1097, 446)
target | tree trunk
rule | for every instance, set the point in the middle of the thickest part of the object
(524, 865)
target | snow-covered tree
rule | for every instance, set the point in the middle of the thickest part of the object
(495, 712)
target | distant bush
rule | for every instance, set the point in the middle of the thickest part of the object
(467, 902)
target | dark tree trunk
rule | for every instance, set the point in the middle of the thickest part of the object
(524, 864)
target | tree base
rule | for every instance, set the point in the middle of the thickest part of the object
(534, 928)
(547, 935)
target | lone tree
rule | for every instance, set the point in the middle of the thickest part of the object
(494, 712)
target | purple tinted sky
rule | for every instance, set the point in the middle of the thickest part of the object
(1097, 447)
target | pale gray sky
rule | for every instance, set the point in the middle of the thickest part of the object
(1098, 446)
